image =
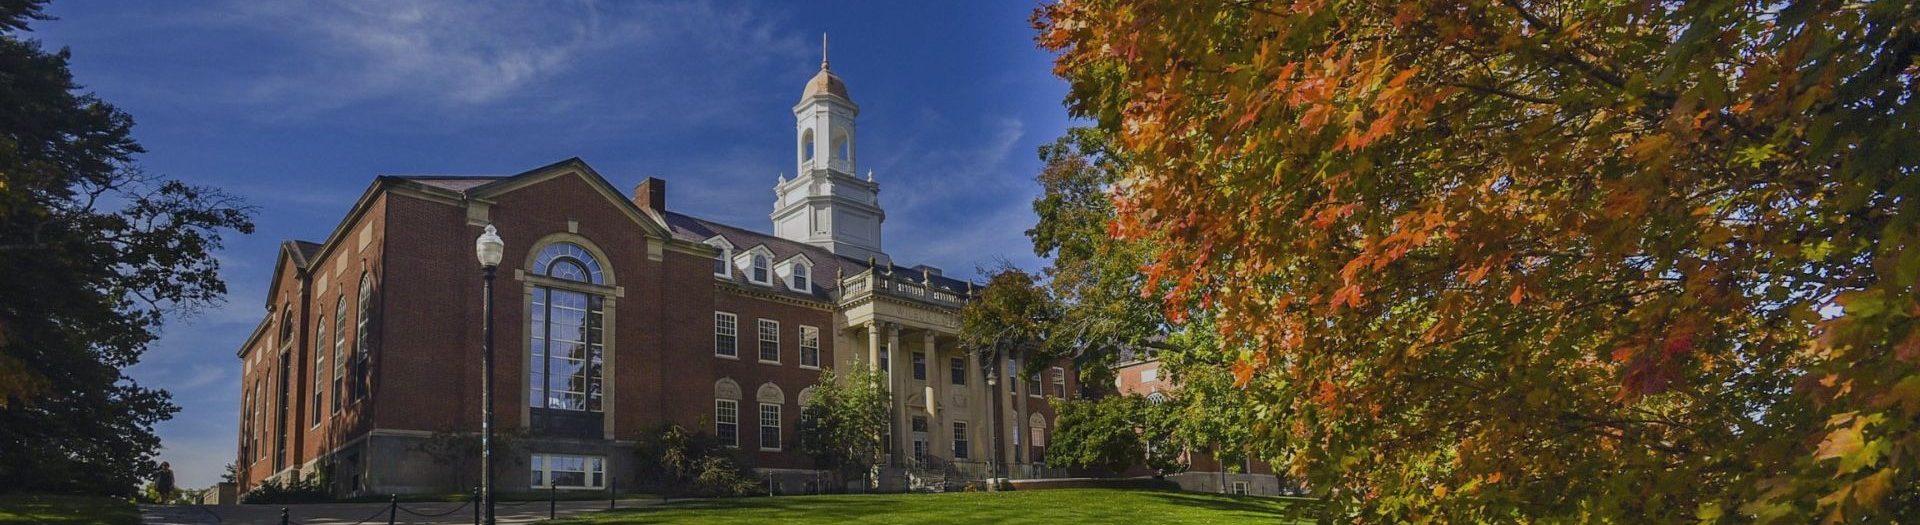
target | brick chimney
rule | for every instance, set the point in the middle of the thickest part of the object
(651, 193)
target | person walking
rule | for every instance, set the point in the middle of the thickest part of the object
(163, 482)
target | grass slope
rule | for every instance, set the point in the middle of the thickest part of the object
(21, 509)
(1036, 506)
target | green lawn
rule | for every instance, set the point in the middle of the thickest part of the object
(1034, 506)
(21, 509)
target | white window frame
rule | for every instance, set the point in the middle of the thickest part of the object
(776, 427)
(1240, 488)
(725, 258)
(721, 410)
(800, 278)
(319, 372)
(542, 465)
(760, 269)
(768, 332)
(1059, 382)
(810, 343)
(729, 328)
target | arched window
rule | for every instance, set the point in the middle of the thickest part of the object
(760, 269)
(362, 347)
(800, 277)
(806, 145)
(726, 412)
(319, 370)
(339, 349)
(1156, 398)
(565, 260)
(566, 326)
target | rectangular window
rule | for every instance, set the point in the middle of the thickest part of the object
(959, 370)
(1150, 375)
(1059, 382)
(920, 366)
(568, 472)
(720, 266)
(886, 362)
(1033, 386)
(726, 334)
(1240, 488)
(809, 347)
(961, 446)
(566, 329)
(726, 421)
(769, 426)
(769, 341)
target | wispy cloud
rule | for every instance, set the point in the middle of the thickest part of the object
(505, 57)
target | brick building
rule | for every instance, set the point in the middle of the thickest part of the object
(1139, 372)
(614, 315)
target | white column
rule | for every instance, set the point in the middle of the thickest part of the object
(903, 426)
(873, 345)
(939, 434)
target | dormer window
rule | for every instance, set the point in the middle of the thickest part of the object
(723, 261)
(800, 282)
(761, 269)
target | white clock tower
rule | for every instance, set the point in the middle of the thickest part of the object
(826, 204)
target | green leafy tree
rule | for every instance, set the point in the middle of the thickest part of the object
(1504, 260)
(93, 254)
(1115, 433)
(843, 421)
(1094, 278)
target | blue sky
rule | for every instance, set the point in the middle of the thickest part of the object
(295, 106)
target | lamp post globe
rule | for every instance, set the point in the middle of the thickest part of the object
(489, 249)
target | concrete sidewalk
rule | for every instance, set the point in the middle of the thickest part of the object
(443, 513)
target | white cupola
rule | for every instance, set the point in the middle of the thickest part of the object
(825, 204)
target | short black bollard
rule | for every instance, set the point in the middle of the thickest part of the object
(283, 516)
(613, 492)
(552, 492)
(476, 505)
(393, 506)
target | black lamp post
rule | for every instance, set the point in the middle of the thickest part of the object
(489, 248)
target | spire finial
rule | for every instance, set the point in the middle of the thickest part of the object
(823, 50)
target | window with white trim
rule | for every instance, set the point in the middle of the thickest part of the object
(319, 371)
(769, 427)
(769, 341)
(568, 471)
(726, 421)
(1059, 382)
(800, 278)
(726, 334)
(1240, 488)
(761, 270)
(339, 349)
(809, 347)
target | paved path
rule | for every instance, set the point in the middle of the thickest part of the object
(368, 513)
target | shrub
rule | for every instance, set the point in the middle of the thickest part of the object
(295, 489)
(677, 462)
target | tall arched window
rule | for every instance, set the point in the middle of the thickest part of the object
(362, 347)
(339, 349)
(806, 145)
(319, 370)
(565, 322)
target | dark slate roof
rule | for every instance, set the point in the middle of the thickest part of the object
(303, 252)
(826, 264)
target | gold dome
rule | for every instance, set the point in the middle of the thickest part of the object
(826, 83)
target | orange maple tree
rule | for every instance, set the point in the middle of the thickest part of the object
(1488, 260)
